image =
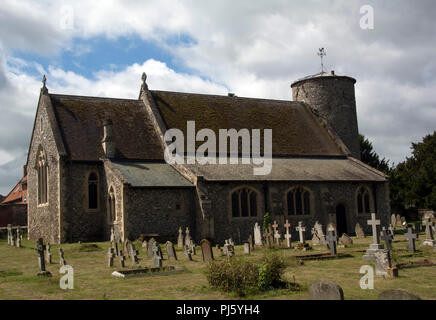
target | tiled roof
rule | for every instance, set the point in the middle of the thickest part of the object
(81, 122)
(145, 174)
(18, 194)
(292, 169)
(295, 129)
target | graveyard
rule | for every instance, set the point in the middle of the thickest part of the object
(102, 271)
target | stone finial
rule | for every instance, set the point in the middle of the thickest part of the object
(144, 86)
(44, 88)
(108, 142)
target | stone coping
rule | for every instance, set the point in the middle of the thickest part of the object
(146, 272)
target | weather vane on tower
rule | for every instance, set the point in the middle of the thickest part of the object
(322, 54)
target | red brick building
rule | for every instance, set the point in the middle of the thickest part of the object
(13, 208)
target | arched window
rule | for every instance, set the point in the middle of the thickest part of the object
(111, 207)
(92, 191)
(298, 201)
(42, 169)
(244, 203)
(364, 204)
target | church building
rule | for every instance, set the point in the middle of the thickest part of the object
(98, 163)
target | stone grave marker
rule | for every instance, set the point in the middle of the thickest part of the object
(110, 256)
(187, 237)
(393, 220)
(332, 240)
(287, 234)
(122, 259)
(144, 245)
(19, 237)
(171, 252)
(397, 294)
(150, 247)
(410, 236)
(257, 235)
(180, 238)
(359, 231)
(277, 234)
(301, 230)
(133, 254)
(228, 249)
(10, 238)
(398, 220)
(268, 235)
(387, 238)
(346, 239)
(375, 246)
(40, 248)
(325, 290)
(206, 250)
(188, 252)
(48, 258)
(156, 261)
(246, 248)
(62, 260)
(429, 238)
(250, 242)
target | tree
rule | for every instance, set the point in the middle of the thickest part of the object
(370, 157)
(413, 182)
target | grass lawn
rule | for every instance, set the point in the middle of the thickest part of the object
(93, 280)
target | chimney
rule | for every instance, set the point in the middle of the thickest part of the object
(108, 142)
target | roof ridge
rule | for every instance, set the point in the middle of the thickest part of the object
(91, 97)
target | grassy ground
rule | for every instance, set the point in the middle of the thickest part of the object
(93, 280)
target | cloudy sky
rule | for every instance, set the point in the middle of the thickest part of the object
(252, 48)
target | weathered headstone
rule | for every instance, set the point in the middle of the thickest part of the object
(150, 247)
(229, 249)
(387, 238)
(121, 259)
(19, 237)
(359, 231)
(346, 239)
(332, 240)
(188, 253)
(288, 236)
(382, 260)
(429, 238)
(110, 257)
(393, 220)
(180, 238)
(398, 219)
(397, 294)
(10, 237)
(145, 245)
(206, 250)
(156, 261)
(325, 290)
(133, 254)
(246, 248)
(315, 238)
(40, 248)
(268, 237)
(171, 252)
(410, 236)
(48, 254)
(301, 230)
(187, 237)
(257, 235)
(376, 245)
(62, 260)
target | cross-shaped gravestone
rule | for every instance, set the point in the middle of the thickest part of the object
(332, 240)
(122, 259)
(411, 237)
(48, 255)
(110, 256)
(62, 261)
(287, 234)
(267, 236)
(300, 230)
(156, 261)
(386, 237)
(374, 223)
(277, 236)
(275, 226)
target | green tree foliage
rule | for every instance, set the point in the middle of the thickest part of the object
(370, 157)
(413, 182)
(266, 222)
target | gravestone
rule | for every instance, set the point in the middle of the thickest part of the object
(268, 238)
(10, 237)
(188, 252)
(393, 220)
(257, 235)
(150, 247)
(145, 246)
(332, 239)
(180, 238)
(187, 237)
(429, 238)
(246, 248)
(228, 249)
(40, 248)
(219, 250)
(122, 259)
(110, 256)
(387, 238)
(133, 253)
(397, 294)
(301, 230)
(62, 260)
(117, 251)
(206, 250)
(315, 238)
(19, 237)
(250, 242)
(359, 231)
(48, 254)
(410, 236)
(156, 261)
(287, 234)
(382, 260)
(391, 231)
(376, 245)
(171, 252)
(346, 239)
(112, 237)
(398, 220)
(277, 236)
(332, 227)
(325, 290)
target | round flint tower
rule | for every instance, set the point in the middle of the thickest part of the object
(333, 98)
